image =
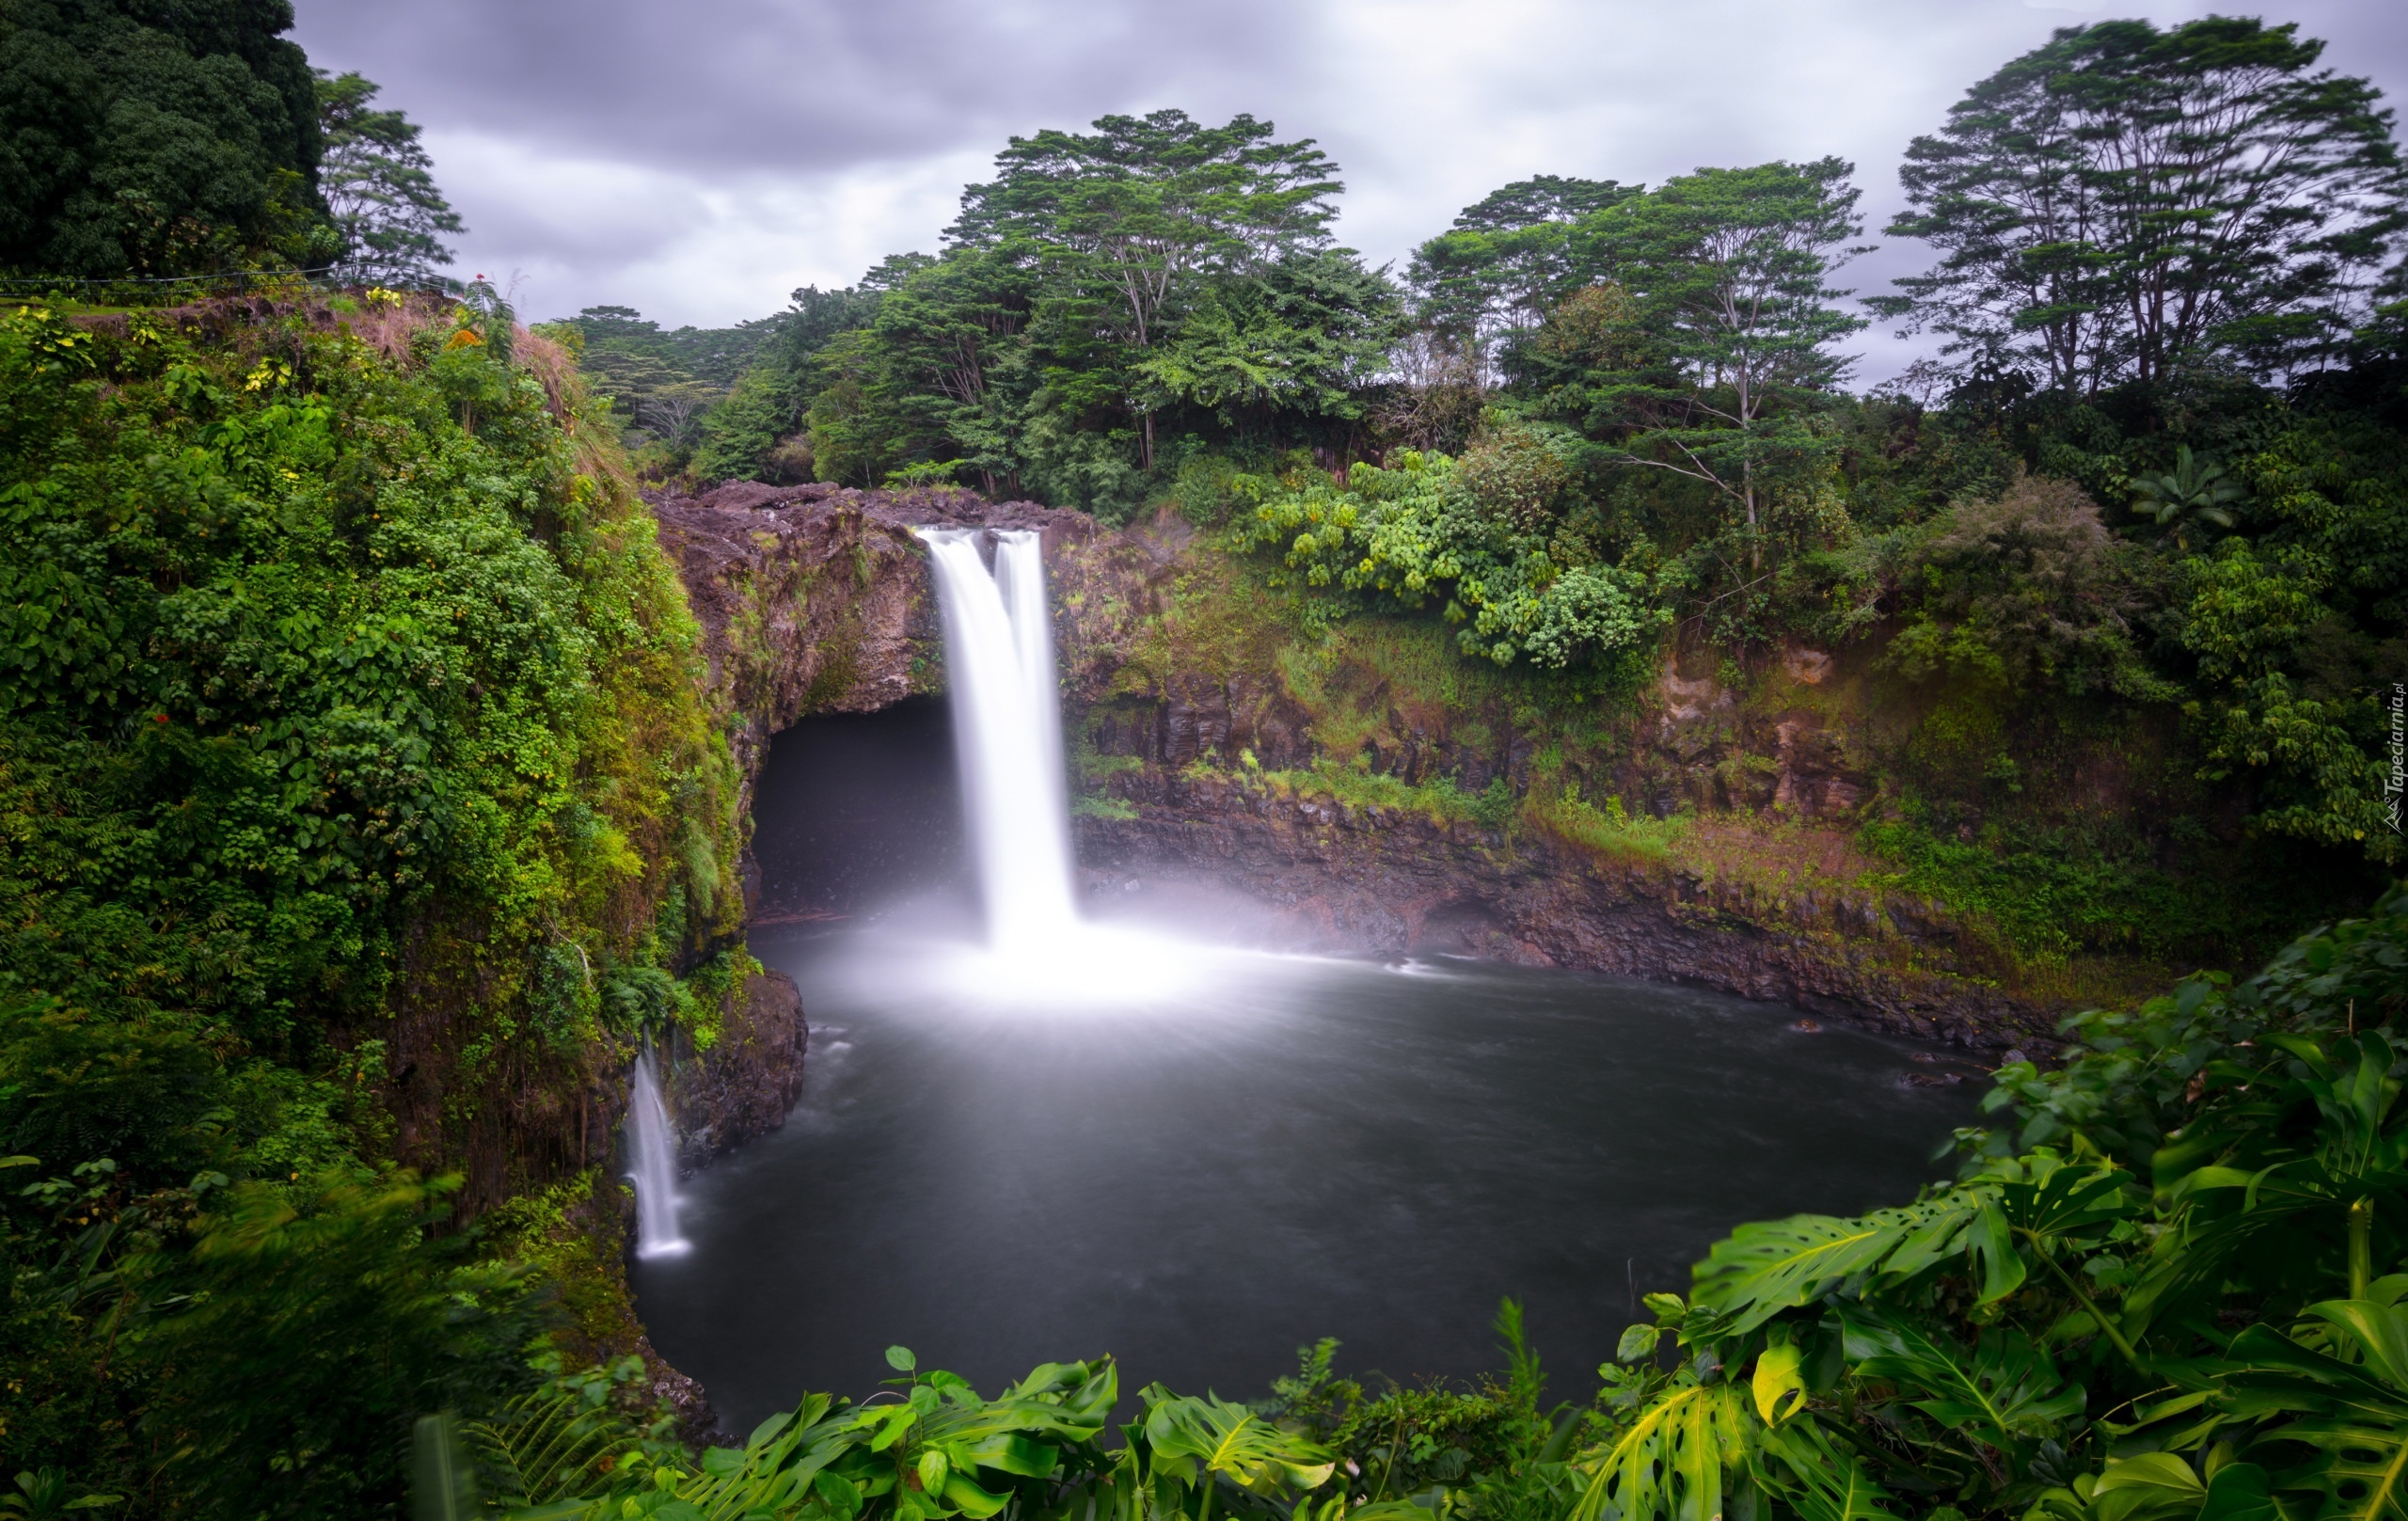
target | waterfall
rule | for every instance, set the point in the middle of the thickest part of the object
(652, 1147)
(1008, 723)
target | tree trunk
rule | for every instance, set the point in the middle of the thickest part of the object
(1747, 492)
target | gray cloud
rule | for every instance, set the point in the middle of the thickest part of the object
(786, 86)
(699, 161)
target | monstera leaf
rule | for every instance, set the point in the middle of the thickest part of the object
(2006, 1389)
(1670, 1465)
(1759, 1271)
(1187, 1434)
(2353, 1415)
(2046, 1196)
(2261, 1179)
(1803, 1466)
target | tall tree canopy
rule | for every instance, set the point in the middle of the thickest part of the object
(1510, 258)
(144, 139)
(1154, 273)
(379, 183)
(1125, 217)
(1144, 202)
(1724, 271)
(2123, 198)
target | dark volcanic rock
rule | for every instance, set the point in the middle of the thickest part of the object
(748, 1082)
(1394, 881)
(816, 598)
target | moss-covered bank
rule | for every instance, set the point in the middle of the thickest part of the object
(364, 804)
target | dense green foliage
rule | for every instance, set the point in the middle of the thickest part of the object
(155, 140)
(664, 384)
(139, 143)
(1109, 307)
(1484, 535)
(359, 805)
(2169, 1286)
(332, 628)
(2155, 531)
(2124, 200)
(1598, 415)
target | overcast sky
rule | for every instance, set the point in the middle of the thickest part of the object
(698, 160)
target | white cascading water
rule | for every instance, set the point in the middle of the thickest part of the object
(1008, 723)
(652, 1147)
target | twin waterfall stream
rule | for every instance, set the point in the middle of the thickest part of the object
(1008, 723)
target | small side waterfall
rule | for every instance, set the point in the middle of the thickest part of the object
(1008, 721)
(652, 1146)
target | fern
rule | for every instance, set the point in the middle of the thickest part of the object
(549, 1446)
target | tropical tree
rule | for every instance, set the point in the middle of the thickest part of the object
(672, 383)
(1511, 256)
(157, 140)
(1300, 337)
(2122, 199)
(1123, 219)
(378, 182)
(1725, 271)
(926, 377)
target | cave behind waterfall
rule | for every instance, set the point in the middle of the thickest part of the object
(857, 810)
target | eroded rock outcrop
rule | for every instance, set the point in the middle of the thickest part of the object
(816, 598)
(1396, 881)
(746, 1084)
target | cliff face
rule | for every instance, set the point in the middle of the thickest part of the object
(1378, 797)
(743, 1087)
(816, 598)
(1347, 876)
(811, 599)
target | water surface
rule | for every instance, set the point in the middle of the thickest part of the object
(1202, 1175)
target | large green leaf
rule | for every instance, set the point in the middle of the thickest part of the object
(2353, 1413)
(547, 1447)
(1762, 1269)
(2004, 1390)
(2142, 1488)
(1816, 1477)
(2047, 1197)
(1670, 1465)
(1187, 1433)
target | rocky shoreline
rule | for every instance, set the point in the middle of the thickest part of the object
(1397, 882)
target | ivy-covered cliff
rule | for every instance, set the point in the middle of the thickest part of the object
(363, 808)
